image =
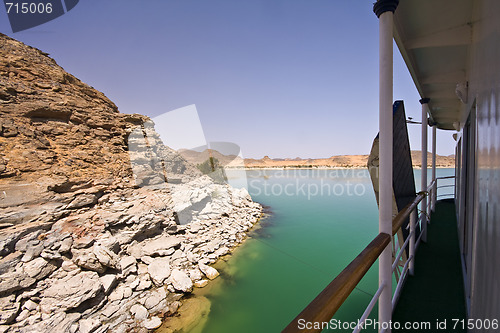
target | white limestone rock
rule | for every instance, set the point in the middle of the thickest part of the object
(23, 315)
(32, 252)
(69, 266)
(59, 322)
(88, 325)
(25, 275)
(195, 274)
(108, 282)
(106, 257)
(241, 198)
(117, 294)
(127, 292)
(161, 246)
(30, 305)
(209, 272)
(87, 259)
(181, 281)
(9, 309)
(159, 270)
(201, 283)
(38, 268)
(152, 323)
(83, 242)
(128, 261)
(70, 292)
(145, 283)
(65, 245)
(155, 298)
(139, 312)
(195, 227)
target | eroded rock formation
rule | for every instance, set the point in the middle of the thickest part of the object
(90, 239)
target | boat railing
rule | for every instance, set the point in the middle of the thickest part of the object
(443, 186)
(325, 305)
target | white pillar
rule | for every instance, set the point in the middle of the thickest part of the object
(413, 220)
(423, 205)
(434, 189)
(385, 11)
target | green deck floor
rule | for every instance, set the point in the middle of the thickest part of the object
(436, 292)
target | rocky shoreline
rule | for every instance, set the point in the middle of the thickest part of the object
(196, 306)
(124, 277)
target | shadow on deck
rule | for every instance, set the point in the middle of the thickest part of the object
(436, 292)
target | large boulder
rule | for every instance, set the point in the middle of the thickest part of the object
(161, 246)
(26, 275)
(152, 323)
(181, 281)
(209, 272)
(106, 257)
(10, 309)
(159, 270)
(70, 292)
(87, 259)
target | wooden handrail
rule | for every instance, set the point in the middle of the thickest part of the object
(398, 221)
(431, 185)
(324, 306)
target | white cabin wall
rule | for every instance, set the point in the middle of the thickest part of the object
(484, 89)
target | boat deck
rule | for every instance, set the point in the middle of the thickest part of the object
(436, 291)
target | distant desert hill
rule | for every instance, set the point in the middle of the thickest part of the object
(339, 161)
(196, 157)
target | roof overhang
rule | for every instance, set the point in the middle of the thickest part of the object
(435, 38)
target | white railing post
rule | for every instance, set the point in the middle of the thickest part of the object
(413, 220)
(423, 205)
(384, 9)
(429, 204)
(434, 188)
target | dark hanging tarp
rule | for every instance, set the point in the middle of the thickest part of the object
(403, 183)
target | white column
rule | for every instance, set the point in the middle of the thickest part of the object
(423, 205)
(413, 220)
(385, 160)
(434, 189)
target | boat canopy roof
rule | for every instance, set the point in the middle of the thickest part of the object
(435, 40)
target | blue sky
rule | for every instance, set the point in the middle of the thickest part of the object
(283, 78)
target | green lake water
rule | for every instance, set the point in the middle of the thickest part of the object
(319, 220)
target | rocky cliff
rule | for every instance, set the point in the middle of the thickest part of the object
(90, 207)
